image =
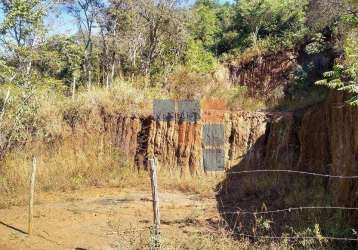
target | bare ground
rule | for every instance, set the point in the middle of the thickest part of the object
(108, 218)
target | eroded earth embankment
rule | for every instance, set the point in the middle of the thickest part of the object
(320, 139)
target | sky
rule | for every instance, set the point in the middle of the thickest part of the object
(60, 22)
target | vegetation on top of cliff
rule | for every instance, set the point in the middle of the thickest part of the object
(344, 75)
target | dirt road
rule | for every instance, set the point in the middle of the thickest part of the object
(103, 218)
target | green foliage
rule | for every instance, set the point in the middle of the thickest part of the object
(61, 58)
(147, 40)
(316, 45)
(206, 25)
(260, 19)
(212, 26)
(6, 72)
(19, 31)
(198, 59)
(311, 238)
(344, 76)
(17, 118)
(260, 24)
(23, 17)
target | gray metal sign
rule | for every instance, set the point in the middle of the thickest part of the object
(164, 110)
(189, 110)
(168, 110)
(213, 134)
(214, 159)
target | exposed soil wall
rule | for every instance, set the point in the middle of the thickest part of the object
(321, 139)
(272, 75)
(264, 73)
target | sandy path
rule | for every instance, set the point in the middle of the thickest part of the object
(103, 219)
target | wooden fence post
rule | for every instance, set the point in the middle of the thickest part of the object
(155, 197)
(31, 197)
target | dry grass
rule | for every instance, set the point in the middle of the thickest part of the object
(203, 185)
(237, 98)
(122, 97)
(82, 161)
(68, 139)
(175, 239)
(72, 164)
(185, 225)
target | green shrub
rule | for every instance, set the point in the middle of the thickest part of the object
(344, 76)
(198, 59)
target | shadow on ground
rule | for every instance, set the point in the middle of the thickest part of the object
(260, 192)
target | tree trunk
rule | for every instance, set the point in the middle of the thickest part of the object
(89, 79)
(28, 68)
(73, 88)
(28, 71)
(103, 75)
(85, 69)
(112, 73)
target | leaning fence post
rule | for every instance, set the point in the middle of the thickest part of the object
(31, 197)
(155, 198)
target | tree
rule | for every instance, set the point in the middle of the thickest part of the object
(206, 23)
(272, 17)
(164, 31)
(21, 31)
(198, 59)
(86, 13)
(128, 30)
(325, 13)
(152, 34)
(212, 25)
(60, 58)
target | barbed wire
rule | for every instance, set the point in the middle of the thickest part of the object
(298, 237)
(291, 172)
(287, 210)
(256, 236)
